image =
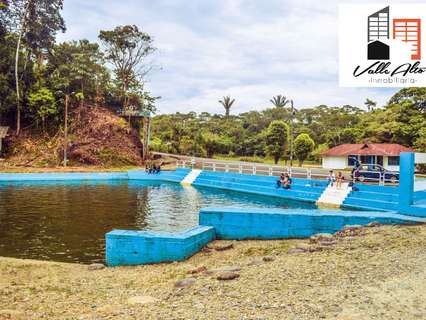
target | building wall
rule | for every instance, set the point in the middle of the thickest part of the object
(334, 162)
(342, 163)
(387, 166)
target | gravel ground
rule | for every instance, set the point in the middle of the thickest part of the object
(368, 273)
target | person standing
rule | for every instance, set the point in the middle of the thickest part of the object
(331, 178)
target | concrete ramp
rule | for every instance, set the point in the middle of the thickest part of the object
(333, 196)
(191, 176)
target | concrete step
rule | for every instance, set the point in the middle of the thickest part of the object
(334, 196)
(190, 178)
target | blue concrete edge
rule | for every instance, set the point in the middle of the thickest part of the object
(126, 247)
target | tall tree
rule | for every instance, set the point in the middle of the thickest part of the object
(36, 23)
(303, 147)
(370, 104)
(279, 101)
(227, 103)
(127, 48)
(277, 139)
(77, 66)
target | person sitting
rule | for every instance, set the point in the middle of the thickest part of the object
(339, 180)
(287, 181)
(157, 169)
(280, 180)
(331, 178)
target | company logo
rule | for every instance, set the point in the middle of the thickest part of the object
(378, 48)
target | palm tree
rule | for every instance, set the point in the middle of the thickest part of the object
(227, 103)
(370, 104)
(279, 101)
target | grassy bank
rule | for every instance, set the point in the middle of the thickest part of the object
(372, 273)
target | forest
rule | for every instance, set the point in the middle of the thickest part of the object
(46, 87)
(314, 129)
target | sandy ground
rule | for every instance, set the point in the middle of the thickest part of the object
(370, 273)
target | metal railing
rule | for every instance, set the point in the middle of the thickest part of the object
(256, 169)
(296, 172)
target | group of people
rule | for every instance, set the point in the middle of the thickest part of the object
(153, 168)
(332, 179)
(284, 181)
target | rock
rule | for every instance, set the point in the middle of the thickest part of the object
(141, 300)
(227, 276)
(322, 237)
(206, 249)
(185, 282)
(268, 258)
(373, 224)
(96, 266)
(225, 269)
(223, 247)
(200, 269)
(352, 227)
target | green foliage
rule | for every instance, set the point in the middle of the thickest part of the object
(319, 149)
(276, 139)
(127, 48)
(43, 104)
(303, 146)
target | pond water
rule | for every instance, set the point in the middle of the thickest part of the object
(67, 221)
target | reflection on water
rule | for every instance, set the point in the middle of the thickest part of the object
(67, 221)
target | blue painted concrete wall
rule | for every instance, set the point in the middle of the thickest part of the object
(170, 176)
(231, 223)
(301, 189)
(373, 197)
(124, 247)
(57, 176)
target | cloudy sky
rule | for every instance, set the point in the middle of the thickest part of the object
(248, 49)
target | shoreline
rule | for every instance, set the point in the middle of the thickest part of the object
(375, 272)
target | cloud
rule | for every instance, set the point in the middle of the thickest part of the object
(249, 49)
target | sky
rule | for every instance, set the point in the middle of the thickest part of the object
(249, 49)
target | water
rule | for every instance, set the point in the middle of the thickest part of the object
(67, 221)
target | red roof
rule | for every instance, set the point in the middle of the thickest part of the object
(378, 149)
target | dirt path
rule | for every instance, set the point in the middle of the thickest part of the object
(373, 273)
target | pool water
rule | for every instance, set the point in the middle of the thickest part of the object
(67, 221)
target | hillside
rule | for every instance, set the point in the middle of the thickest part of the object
(97, 136)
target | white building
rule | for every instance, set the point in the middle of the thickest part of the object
(347, 155)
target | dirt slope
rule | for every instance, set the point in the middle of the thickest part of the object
(97, 136)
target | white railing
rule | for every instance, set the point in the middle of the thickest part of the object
(273, 170)
(256, 169)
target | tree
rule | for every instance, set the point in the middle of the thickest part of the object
(127, 48)
(370, 104)
(227, 103)
(43, 103)
(303, 146)
(279, 101)
(36, 22)
(277, 139)
(77, 66)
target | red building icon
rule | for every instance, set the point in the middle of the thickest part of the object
(409, 30)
